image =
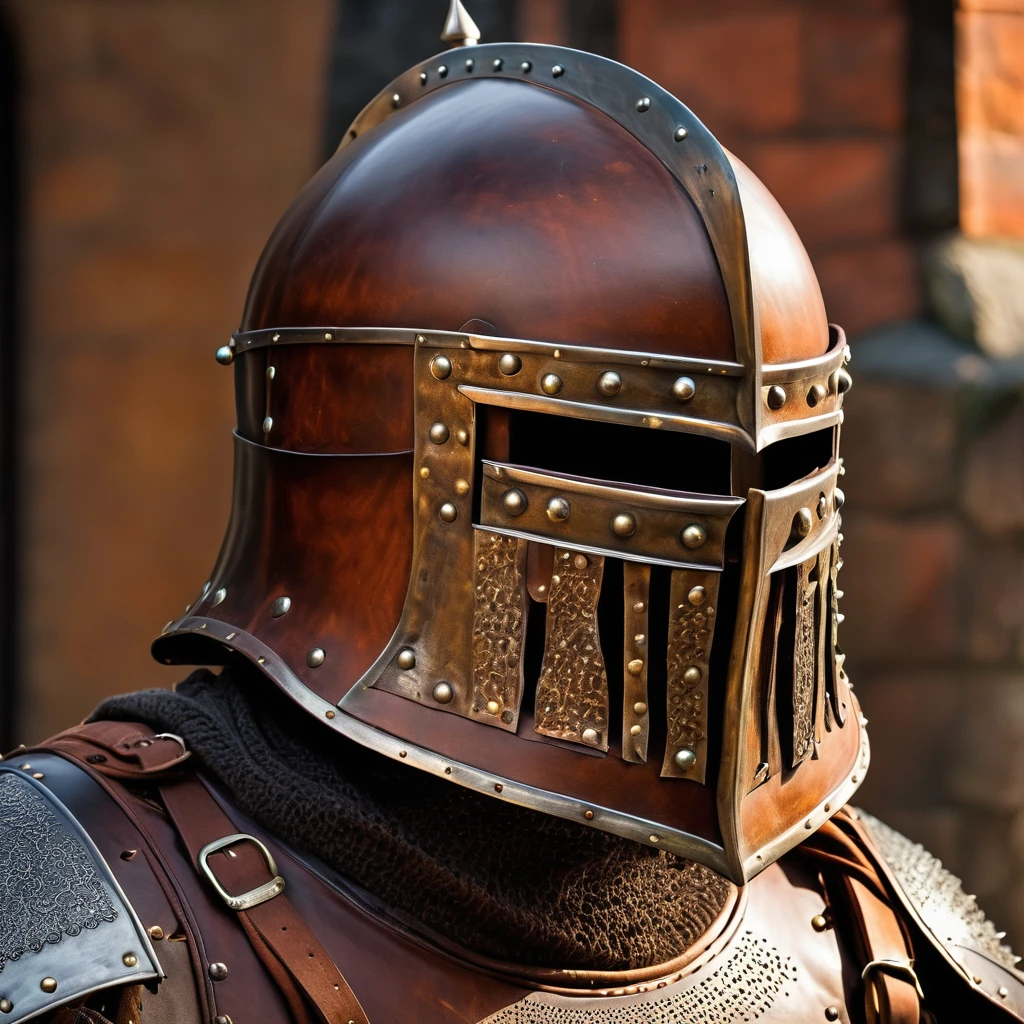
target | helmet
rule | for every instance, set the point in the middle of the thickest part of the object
(536, 462)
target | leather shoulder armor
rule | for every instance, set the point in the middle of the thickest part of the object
(66, 927)
(949, 918)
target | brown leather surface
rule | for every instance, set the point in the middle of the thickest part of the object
(505, 202)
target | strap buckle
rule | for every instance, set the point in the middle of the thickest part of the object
(254, 897)
(899, 968)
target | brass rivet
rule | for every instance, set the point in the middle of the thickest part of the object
(396, 100)
(225, 355)
(1002, 991)
(403, 753)
(493, 707)
(406, 658)
(156, 933)
(580, 562)
(818, 922)
(129, 959)
(816, 394)
(684, 389)
(808, 825)
(127, 854)
(462, 488)
(551, 383)
(558, 510)
(6, 1006)
(443, 693)
(843, 381)
(470, 64)
(590, 736)
(514, 502)
(609, 384)
(25, 767)
(261, 660)
(38, 775)
(441, 367)
(694, 535)
(697, 595)
(423, 78)
(526, 67)
(48, 984)
(653, 839)
(271, 373)
(219, 596)
(421, 339)
(280, 607)
(497, 64)
(636, 730)
(685, 759)
(639, 607)
(640, 708)
(316, 657)
(510, 364)
(498, 787)
(276, 337)
(840, 497)
(636, 666)
(443, 71)
(557, 71)
(439, 433)
(692, 675)
(330, 714)
(802, 523)
(831, 1013)
(624, 525)
(589, 815)
(776, 397)
(424, 473)
(822, 508)
(643, 105)
(680, 134)
(448, 513)
(268, 424)
(218, 971)
(461, 436)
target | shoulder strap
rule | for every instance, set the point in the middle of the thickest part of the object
(238, 866)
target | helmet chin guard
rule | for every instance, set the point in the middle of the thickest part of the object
(537, 459)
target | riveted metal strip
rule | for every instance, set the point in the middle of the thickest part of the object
(636, 718)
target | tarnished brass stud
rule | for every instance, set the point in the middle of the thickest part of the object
(6, 1006)
(225, 355)
(685, 759)
(557, 71)
(271, 373)
(217, 971)
(635, 730)
(680, 134)
(692, 675)
(640, 708)
(155, 932)
(694, 535)
(551, 383)
(624, 525)
(802, 523)
(514, 502)
(462, 488)
(636, 666)
(406, 658)
(697, 595)
(590, 736)
(439, 433)
(816, 394)
(638, 607)
(493, 707)
(48, 984)
(609, 383)
(219, 596)
(818, 922)
(1002, 991)
(822, 507)
(684, 389)
(424, 472)
(421, 339)
(441, 367)
(462, 436)
(580, 562)
(843, 381)
(129, 959)
(316, 657)
(589, 815)
(280, 607)
(776, 397)
(448, 513)
(443, 693)
(510, 364)
(643, 105)
(268, 424)
(558, 510)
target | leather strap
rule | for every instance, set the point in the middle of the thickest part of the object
(312, 984)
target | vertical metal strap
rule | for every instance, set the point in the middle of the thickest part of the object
(805, 660)
(572, 693)
(636, 717)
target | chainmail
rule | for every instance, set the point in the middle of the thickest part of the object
(501, 880)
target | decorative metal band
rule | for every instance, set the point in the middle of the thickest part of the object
(652, 115)
(636, 719)
(572, 693)
(704, 397)
(835, 658)
(648, 525)
(805, 660)
(692, 610)
(499, 626)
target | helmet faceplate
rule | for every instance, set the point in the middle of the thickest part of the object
(536, 465)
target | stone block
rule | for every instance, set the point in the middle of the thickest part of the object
(855, 69)
(740, 72)
(901, 585)
(993, 491)
(870, 284)
(899, 445)
(996, 613)
(984, 769)
(834, 190)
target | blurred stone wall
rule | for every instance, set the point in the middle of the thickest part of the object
(162, 142)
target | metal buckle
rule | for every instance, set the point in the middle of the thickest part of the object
(172, 736)
(254, 897)
(900, 968)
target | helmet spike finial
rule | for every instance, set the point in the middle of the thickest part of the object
(459, 28)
